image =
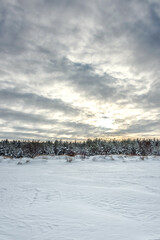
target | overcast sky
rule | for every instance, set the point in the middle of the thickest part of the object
(77, 69)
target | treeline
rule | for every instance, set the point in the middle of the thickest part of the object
(19, 149)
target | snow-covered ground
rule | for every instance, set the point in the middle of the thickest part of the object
(100, 198)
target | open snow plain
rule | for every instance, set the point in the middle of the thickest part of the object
(100, 198)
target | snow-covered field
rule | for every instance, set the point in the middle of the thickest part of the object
(99, 198)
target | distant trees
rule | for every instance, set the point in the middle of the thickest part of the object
(19, 149)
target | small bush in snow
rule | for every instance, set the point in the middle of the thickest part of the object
(69, 159)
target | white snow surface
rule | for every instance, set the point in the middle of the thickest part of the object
(99, 198)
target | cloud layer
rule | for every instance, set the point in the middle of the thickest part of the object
(79, 69)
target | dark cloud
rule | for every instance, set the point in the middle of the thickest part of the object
(83, 79)
(132, 31)
(31, 100)
(12, 117)
(150, 100)
(141, 126)
(13, 28)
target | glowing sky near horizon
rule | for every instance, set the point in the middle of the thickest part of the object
(72, 69)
